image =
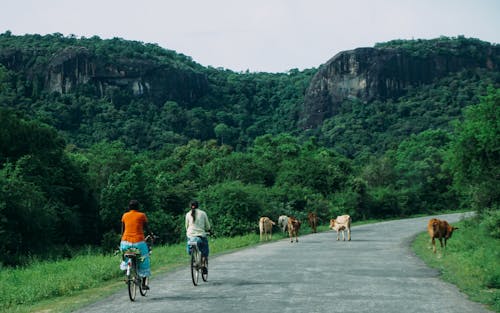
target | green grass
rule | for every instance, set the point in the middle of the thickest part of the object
(471, 261)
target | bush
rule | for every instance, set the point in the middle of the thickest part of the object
(491, 221)
(233, 207)
(110, 242)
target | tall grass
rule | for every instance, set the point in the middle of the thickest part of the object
(471, 261)
(42, 280)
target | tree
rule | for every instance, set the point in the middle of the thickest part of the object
(421, 179)
(233, 208)
(474, 156)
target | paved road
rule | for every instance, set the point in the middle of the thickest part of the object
(375, 272)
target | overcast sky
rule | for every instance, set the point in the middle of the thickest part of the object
(256, 35)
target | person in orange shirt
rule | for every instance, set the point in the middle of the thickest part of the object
(134, 223)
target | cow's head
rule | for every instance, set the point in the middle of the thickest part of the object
(332, 223)
(450, 230)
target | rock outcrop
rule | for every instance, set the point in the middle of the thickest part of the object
(368, 74)
(74, 67)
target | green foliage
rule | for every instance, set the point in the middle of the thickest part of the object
(490, 218)
(189, 102)
(475, 154)
(44, 198)
(443, 45)
(234, 208)
(26, 219)
(363, 129)
(420, 176)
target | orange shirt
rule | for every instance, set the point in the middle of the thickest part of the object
(134, 222)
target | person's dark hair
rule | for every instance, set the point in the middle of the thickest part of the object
(133, 205)
(194, 206)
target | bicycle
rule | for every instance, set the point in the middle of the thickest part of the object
(132, 279)
(198, 263)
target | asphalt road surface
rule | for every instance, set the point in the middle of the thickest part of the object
(375, 272)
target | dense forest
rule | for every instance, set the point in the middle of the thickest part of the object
(151, 124)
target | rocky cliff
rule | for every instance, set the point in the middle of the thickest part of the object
(381, 73)
(75, 67)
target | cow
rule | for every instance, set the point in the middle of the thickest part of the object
(439, 229)
(266, 228)
(293, 228)
(283, 222)
(312, 218)
(342, 223)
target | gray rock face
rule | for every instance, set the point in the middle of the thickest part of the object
(368, 74)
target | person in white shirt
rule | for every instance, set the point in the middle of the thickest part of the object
(197, 229)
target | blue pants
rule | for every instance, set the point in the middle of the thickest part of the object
(202, 245)
(144, 265)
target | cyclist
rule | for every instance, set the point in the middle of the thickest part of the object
(197, 225)
(134, 223)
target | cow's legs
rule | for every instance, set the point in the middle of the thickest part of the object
(433, 242)
(349, 234)
(338, 236)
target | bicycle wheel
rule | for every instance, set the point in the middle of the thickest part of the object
(143, 291)
(195, 269)
(132, 282)
(204, 275)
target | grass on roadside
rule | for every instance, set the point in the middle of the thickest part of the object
(471, 261)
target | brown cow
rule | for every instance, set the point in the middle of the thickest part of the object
(266, 228)
(342, 223)
(312, 218)
(439, 229)
(293, 228)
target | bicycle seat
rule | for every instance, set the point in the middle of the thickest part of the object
(130, 253)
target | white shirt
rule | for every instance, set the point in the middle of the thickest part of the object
(199, 226)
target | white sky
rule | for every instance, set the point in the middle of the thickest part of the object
(256, 35)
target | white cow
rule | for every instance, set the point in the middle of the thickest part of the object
(342, 223)
(283, 222)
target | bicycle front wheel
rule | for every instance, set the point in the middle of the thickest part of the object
(195, 269)
(204, 274)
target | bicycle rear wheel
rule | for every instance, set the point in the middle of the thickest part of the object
(195, 269)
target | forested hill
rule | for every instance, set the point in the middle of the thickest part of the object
(88, 124)
(147, 96)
